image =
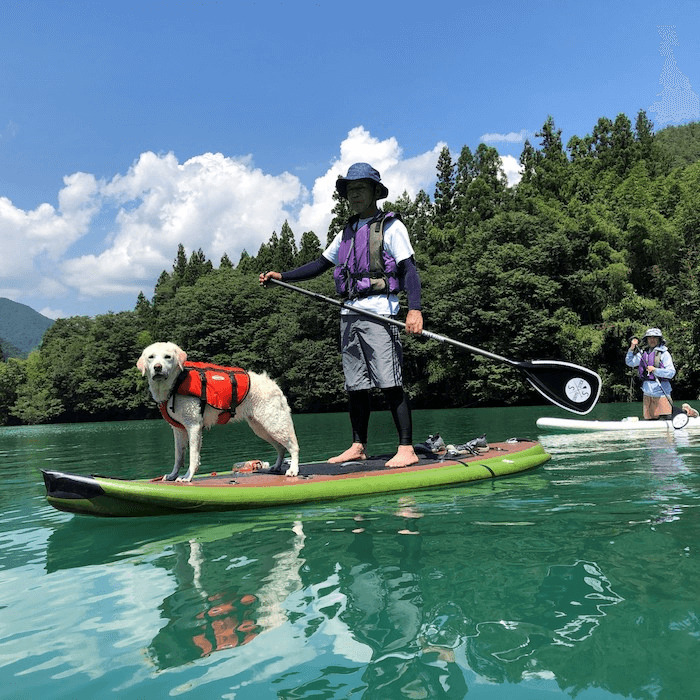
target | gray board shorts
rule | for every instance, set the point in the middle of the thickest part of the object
(372, 353)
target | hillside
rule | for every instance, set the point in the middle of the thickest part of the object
(680, 144)
(21, 328)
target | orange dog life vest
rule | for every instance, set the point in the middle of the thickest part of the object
(222, 388)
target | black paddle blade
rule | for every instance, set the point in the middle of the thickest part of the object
(569, 386)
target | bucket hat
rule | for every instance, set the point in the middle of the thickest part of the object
(656, 332)
(360, 171)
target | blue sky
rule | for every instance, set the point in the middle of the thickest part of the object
(129, 127)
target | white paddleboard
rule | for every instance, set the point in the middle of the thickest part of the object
(629, 424)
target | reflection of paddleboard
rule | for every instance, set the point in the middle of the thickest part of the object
(632, 424)
(320, 481)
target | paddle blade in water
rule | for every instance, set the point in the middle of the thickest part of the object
(569, 386)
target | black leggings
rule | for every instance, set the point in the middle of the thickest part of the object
(360, 408)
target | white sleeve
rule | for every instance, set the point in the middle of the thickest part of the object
(331, 252)
(396, 240)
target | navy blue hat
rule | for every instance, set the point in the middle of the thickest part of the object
(360, 171)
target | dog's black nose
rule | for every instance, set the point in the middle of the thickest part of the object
(157, 368)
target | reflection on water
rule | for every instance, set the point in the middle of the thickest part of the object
(579, 576)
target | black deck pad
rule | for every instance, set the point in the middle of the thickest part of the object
(371, 464)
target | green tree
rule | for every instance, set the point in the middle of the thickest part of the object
(13, 375)
(341, 213)
(624, 149)
(644, 136)
(180, 266)
(550, 176)
(309, 248)
(36, 402)
(197, 266)
(285, 252)
(444, 190)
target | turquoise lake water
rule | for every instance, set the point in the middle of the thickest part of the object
(578, 579)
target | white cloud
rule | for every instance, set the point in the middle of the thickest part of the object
(512, 168)
(115, 237)
(45, 231)
(510, 137)
(52, 313)
(219, 204)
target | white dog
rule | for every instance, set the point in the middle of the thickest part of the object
(265, 408)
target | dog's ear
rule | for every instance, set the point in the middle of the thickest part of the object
(141, 364)
(181, 357)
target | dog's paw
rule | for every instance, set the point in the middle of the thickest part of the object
(292, 471)
(184, 479)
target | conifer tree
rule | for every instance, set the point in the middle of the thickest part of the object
(624, 151)
(246, 263)
(644, 136)
(444, 190)
(179, 266)
(309, 248)
(286, 250)
(551, 161)
(197, 266)
(341, 213)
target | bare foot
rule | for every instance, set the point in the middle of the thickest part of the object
(356, 451)
(404, 457)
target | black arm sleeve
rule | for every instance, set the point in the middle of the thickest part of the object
(410, 281)
(308, 271)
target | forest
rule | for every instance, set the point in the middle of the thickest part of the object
(598, 241)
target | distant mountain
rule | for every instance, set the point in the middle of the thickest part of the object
(21, 328)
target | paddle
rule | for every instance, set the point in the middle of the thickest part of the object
(679, 418)
(566, 385)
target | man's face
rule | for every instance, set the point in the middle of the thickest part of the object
(361, 196)
(652, 341)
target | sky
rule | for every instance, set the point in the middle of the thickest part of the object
(127, 128)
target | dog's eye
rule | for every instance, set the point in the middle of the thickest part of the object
(150, 357)
(167, 357)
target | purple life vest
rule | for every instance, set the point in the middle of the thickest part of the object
(364, 267)
(649, 357)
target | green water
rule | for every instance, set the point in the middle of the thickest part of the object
(578, 579)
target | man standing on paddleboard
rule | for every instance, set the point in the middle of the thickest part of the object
(655, 366)
(373, 260)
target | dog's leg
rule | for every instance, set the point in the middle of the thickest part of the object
(180, 445)
(195, 435)
(293, 449)
(283, 441)
(263, 434)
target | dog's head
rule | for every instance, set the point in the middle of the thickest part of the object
(160, 360)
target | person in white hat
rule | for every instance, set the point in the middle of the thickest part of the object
(373, 260)
(655, 366)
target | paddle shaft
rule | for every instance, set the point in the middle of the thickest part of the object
(394, 322)
(569, 386)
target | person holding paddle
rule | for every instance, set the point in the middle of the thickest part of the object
(655, 366)
(373, 260)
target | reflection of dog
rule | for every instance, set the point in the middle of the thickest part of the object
(265, 408)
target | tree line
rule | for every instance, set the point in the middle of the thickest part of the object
(599, 240)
